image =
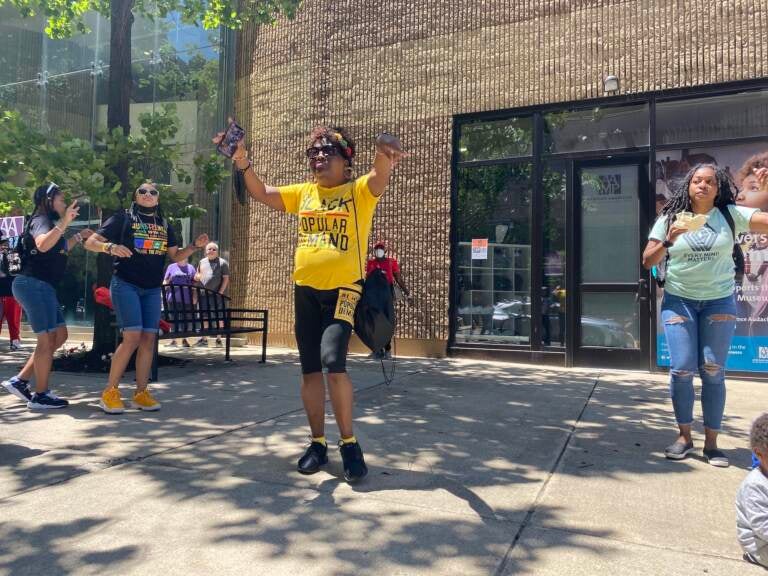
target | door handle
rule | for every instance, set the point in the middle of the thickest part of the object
(642, 291)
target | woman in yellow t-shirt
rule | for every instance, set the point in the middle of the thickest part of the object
(335, 213)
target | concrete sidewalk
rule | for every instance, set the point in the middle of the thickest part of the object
(475, 468)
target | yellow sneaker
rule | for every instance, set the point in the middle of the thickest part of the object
(111, 402)
(143, 401)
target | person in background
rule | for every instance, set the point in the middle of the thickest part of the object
(752, 499)
(139, 238)
(391, 269)
(213, 274)
(10, 309)
(181, 275)
(42, 268)
(699, 305)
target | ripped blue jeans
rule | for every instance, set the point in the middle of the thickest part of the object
(699, 334)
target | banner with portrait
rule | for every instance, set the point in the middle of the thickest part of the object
(749, 348)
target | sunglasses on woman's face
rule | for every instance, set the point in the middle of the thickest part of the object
(150, 191)
(327, 150)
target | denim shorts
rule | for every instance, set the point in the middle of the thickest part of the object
(137, 309)
(38, 298)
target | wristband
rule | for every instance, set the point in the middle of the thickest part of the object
(242, 170)
(667, 244)
(59, 229)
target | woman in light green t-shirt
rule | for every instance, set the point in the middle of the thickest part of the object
(699, 307)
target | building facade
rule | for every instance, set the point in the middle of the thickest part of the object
(520, 218)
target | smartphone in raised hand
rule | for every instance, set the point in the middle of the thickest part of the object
(232, 136)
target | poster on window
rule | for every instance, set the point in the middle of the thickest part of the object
(11, 226)
(749, 348)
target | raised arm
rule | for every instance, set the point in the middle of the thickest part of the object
(268, 195)
(389, 152)
(47, 240)
(178, 254)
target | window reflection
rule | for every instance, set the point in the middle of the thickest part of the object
(712, 118)
(172, 62)
(494, 283)
(599, 128)
(553, 308)
(509, 138)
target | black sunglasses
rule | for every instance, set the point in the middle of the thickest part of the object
(328, 150)
(150, 191)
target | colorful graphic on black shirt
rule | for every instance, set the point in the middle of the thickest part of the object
(150, 239)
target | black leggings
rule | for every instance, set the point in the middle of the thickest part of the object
(322, 338)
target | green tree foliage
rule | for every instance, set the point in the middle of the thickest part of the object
(82, 170)
(66, 17)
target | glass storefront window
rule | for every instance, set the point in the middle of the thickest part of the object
(494, 254)
(510, 138)
(713, 118)
(610, 320)
(610, 224)
(553, 308)
(599, 128)
(61, 86)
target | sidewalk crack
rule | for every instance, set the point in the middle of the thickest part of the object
(540, 494)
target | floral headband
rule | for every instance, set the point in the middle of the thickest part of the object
(346, 148)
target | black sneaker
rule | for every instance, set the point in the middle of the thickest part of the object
(716, 457)
(46, 401)
(354, 463)
(678, 450)
(315, 456)
(18, 388)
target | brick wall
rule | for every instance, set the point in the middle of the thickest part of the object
(408, 67)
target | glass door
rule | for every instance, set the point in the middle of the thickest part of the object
(612, 292)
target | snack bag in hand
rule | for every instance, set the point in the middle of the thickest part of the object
(691, 221)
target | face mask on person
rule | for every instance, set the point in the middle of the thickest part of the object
(379, 253)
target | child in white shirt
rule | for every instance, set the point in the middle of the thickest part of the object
(752, 500)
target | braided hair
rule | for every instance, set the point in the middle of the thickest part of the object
(681, 198)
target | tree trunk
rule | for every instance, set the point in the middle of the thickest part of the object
(118, 116)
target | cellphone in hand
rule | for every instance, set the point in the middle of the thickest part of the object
(233, 135)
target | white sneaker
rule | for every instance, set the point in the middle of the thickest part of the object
(15, 345)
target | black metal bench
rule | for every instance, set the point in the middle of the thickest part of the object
(194, 311)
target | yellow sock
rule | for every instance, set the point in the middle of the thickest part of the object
(320, 440)
(350, 440)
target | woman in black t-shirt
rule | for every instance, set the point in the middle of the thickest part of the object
(139, 239)
(42, 268)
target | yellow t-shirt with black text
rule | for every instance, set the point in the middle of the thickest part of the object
(334, 225)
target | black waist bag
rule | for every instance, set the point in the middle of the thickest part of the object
(375, 312)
